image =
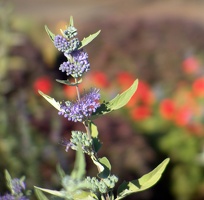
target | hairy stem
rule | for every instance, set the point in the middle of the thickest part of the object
(77, 89)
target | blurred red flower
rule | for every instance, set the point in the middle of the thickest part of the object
(100, 79)
(125, 80)
(140, 112)
(167, 108)
(43, 84)
(183, 115)
(70, 91)
(143, 95)
(190, 65)
(198, 87)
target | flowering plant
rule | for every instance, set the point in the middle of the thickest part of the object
(85, 109)
(17, 188)
(173, 116)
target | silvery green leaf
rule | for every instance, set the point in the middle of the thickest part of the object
(79, 165)
(61, 194)
(71, 21)
(60, 171)
(8, 180)
(88, 39)
(40, 195)
(50, 34)
(107, 167)
(103, 166)
(119, 101)
(122, 99)
(143, 183)
(84, 195)
(50, 100)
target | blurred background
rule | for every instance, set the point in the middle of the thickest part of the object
(159, 42)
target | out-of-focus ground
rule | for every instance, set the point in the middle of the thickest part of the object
(50, 11)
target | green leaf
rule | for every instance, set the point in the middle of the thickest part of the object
(71, 21)
(122, 99)
(53, 192)
(40, 195)
(94, 130)
(119, 101)
(50, 34)
(88, 39)
(50, 100)
(83, 195)
(8, 180)
(143, 183)
(60, 172)
(79, 165)
(103, 166)
(107, 167)
(94, 134)
(67, 82)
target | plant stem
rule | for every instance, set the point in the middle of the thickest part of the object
(87, 127)
(77, 89)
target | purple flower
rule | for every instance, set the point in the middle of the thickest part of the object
(74, 44)
(17, 185)
(12, 197)
(83, 108)
(23, 198)
(78, 66)
(63, 45)
(7, 197)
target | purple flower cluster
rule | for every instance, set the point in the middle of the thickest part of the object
(17, 185)
(17, 191)
(74, 44)
(77, 60)
(78, 66)
(65, 46)
(12, 197)
(83, 108)
(61, 43)
(7, 197)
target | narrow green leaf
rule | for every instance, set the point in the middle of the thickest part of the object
(143, 183)
(60, 172)
(79, 165)
(88, 39)
(71, 21)
(67, 82)
(8, 180)
(53, 192)
(50, 34)
(50, 100)
(40, 195)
